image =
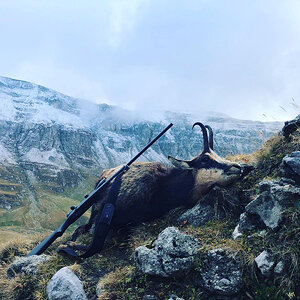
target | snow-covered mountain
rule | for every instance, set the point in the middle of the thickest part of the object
(53, 139)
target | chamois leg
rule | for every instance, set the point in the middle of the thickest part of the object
(78, 247)
(70, 248)
(84, 228)
(80, 230)
(71, 245)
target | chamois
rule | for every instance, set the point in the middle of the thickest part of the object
(151, 189)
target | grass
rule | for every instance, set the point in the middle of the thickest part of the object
(8, 183)
(8, 193)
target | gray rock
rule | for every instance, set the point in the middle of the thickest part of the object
(248, 222)
(279, 268)
(237, 232)
(222, 272)
(213, 205)
(291, 165)
(150, 297)
(65, 285)
(172, 254)
(200, 214)
(99, 289)
(174, 297)
(267, 209)
(27, 265)
(291, 126)
(265, 263)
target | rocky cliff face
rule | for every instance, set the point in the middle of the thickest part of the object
(54, 141)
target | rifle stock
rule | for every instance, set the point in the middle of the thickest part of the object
(78, 211)
(46, 243)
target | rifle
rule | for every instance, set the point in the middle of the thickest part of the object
(78, 211)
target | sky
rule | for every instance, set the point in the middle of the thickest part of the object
(241, 58)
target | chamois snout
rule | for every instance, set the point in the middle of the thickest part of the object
(239, 169)
(233, 173)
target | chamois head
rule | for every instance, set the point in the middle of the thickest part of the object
(210, 168)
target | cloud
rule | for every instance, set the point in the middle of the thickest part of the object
(62, 79)
(237, 57)
(123, 16)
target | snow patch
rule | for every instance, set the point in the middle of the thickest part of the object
(51, 157)
(6, 156)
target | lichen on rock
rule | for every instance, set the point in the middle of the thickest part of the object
(222, 272)
(172, 254)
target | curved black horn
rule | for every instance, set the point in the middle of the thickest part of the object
(211, 137)
(205, 137)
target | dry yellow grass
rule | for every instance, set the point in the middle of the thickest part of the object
(10, 236)
(9, 193)
(8, 183)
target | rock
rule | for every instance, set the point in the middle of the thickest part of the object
(267, 209)
(150, 297)
(65, 285)
(172, 254)
(265, 263)
(248, 222)
(237, 233)
(27, 265)
(279, 268)
(98, 289)
(213, 205)
(291, 166)
(174, 297)
(200, 214)
(222, 272)
(291, 126)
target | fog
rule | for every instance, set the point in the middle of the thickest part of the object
(240, 58)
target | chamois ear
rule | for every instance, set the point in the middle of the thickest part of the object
(178, 163)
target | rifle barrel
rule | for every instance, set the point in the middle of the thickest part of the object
(150, 144)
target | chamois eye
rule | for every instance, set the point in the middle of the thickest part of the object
(205, 159)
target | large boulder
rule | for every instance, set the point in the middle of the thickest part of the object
(172, 254)
(27, 265)
(266, 210)
(291, 166)
(65, 285)
(222, 272)
(291, 126)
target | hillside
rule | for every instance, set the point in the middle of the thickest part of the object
(261, 262)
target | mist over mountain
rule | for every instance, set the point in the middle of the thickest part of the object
(51, 142)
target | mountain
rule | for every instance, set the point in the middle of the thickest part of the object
(53, 145)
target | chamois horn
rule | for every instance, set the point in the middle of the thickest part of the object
(211, 137)
(205, 137)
